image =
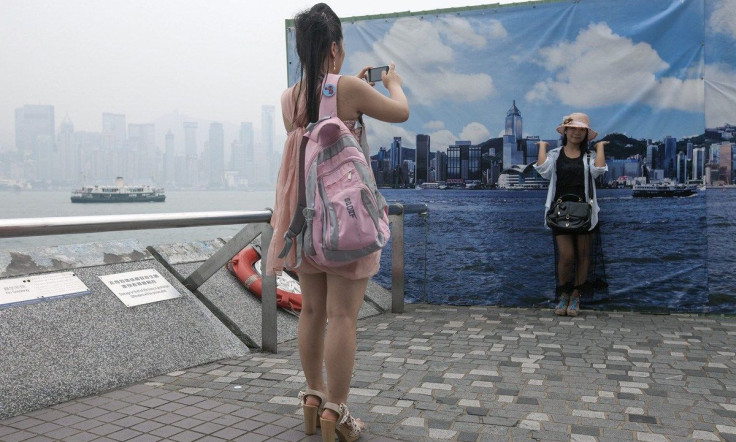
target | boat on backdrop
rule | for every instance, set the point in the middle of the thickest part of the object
(119, 193)
(664, 189)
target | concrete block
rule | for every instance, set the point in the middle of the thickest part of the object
(57, 350)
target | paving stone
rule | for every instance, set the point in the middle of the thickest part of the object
(447, 373)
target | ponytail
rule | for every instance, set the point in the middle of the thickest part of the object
(316, 29)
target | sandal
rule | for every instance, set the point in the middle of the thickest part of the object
(574, 307)
(346, 427)
(561, 307)
(311, 412)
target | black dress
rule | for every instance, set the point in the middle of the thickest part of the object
(571, 181)
(570, 176)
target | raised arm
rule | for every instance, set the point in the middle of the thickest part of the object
(600, 154)
(357, 97)
(542, 154)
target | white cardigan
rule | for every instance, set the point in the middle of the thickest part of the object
(548, 171)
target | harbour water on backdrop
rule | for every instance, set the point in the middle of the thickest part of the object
(486, 247)
(491, 247)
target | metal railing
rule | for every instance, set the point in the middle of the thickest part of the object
(256, 223)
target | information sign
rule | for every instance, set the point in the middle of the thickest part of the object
(42, 287)
(140, 287)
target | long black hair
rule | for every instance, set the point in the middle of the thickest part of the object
(316, 29)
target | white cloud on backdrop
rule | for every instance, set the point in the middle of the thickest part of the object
(720, 90)
(429, 72)
(723, 18)
(434, 125)
(460, 32)
(601, 68)
(381, 134)
(475, 132)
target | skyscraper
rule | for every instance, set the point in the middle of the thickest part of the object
(458, 161)
(143, 161)
(34, 136)
(513, 122)
(68, 166)
(512, 152)
(725, 163)
(698, 163)
(169, 159)
(190, 139)
(396, 154)
(32, 122)
(422, 159)
(216, 154)
(190, 154)
(246, 138)
(114, 131)
(681, 175)
(670, 148)
(267, 163)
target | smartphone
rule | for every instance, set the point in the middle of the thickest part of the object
(374, 74)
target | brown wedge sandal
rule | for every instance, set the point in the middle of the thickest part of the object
(346, 427)
(312, 412)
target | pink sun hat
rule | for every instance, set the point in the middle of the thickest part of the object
(577, 119)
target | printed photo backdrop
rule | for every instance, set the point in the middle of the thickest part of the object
(657, 78)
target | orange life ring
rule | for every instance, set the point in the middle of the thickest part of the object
(242, 266)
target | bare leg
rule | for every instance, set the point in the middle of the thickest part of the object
(344, 298)
(311, 330)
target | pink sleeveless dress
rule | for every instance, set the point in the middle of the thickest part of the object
(287, 189)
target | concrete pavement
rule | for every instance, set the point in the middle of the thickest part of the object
(446, 373)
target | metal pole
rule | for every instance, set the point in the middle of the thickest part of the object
(18, 227)
(397, 261)
(269, 338)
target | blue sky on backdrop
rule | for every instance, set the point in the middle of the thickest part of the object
(635, 67)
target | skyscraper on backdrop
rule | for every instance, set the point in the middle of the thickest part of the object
(669, 157)
(422, 159)
(512, 148)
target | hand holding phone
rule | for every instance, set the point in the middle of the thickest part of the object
(374, 74)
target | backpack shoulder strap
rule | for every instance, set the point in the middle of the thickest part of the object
(328, 100)
(327, 108)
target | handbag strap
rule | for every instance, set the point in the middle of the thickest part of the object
(590, 181)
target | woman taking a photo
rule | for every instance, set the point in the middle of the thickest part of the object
(331, 296)
(571, 171)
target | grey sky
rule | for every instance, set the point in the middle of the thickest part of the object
(216, 60)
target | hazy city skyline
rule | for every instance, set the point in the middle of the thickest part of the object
(212, 62)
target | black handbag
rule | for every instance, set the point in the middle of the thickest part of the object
(570, 213)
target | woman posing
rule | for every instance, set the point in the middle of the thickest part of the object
(329, 295)
(567, 168)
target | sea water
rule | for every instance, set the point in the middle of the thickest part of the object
(486, 247)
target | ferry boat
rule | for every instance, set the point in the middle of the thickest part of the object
(428, 186)
(663, 190)
(119, 193)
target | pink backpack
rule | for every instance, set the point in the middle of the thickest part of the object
(341, 216)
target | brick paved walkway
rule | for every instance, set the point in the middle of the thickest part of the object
(447, 373)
